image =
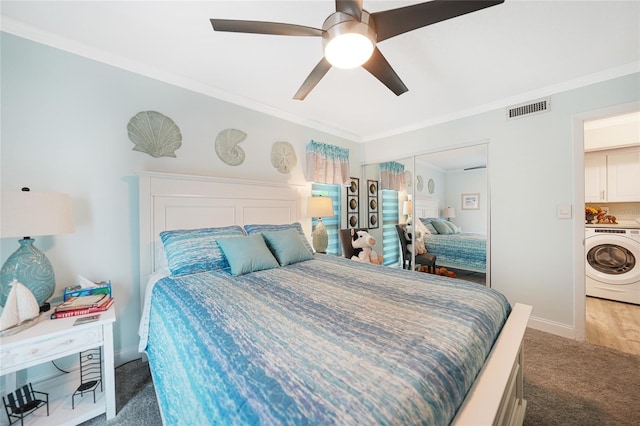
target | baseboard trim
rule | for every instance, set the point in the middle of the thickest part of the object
(552, 327)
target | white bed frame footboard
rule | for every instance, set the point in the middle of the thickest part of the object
(172, 201)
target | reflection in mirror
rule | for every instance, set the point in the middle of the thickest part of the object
(385, 208)
(451, 212)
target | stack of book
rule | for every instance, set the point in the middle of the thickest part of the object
(82, 305)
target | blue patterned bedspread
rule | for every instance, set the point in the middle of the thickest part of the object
(326, 341)
(465, 251)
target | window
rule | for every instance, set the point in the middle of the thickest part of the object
(390, 243)
(331, 224)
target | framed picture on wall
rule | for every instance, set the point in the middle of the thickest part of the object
(353, 203)
(372, 204)
(470, 201)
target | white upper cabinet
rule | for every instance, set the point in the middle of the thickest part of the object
(623, 176)
(612, 177)
(595, 178)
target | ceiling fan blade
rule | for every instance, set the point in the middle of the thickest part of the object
(380, 68)
(350, 7)
(258, 27)
(314, 78)
(390, 23)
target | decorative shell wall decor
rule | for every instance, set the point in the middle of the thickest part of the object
(155, 134)
(283, 157)
(227, 146)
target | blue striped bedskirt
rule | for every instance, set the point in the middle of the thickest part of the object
(326, 341)
(465, 251)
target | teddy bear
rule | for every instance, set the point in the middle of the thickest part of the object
(363, 251)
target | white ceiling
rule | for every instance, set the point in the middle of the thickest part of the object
(507, 54)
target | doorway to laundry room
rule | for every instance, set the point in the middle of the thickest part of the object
(612, 230)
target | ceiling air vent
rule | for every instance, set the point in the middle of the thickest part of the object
(535, 107)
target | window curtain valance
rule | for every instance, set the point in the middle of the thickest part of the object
(392, 176)
(327, 163)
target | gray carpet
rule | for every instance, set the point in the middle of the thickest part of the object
(566, 383)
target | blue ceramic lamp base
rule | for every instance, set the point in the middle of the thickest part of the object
(31, 267)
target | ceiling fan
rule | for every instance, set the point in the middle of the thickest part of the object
(349, 35)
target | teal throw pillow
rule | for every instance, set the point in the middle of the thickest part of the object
(287, 246)
(260, 228)
(247, 254)
(441, 227)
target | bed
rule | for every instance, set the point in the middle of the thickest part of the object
(324, 340)
(460, 250)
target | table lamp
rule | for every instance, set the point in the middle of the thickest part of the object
(407, 209)
(27, 214)
(449, 212)
(320, 207)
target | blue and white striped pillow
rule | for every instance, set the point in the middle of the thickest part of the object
(196, 250)
(258, 229)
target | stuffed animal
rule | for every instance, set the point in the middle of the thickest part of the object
(363, 251)
(420, 249)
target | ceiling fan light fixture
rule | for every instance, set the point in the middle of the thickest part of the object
(348, 50)
(348, 43)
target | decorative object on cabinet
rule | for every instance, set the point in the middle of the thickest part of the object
(33, 214)
(283, 157)
(24, 401)
(353, 203)
(227, 147)
(20, 311)
(431, 186)
(419, 183)
(470, 201)
(154, 134)
(90, 374)
(372, 205)
(320, 207)
(449, 213)
(590, 213)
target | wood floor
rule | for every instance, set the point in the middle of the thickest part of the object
(613, 324)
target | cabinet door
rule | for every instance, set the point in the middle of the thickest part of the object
(595, 178)
(623, 175)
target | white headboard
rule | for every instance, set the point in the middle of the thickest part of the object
(426, 207)
(174, 201)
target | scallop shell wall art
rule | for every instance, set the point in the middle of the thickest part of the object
(283, 157)
(227, 146)
(155, 134)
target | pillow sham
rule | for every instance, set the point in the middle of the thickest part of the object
(452, 226)
(427, 224)
(196, 250)
(441, 227)
(259, 228)
(247, 254)
(287, 246)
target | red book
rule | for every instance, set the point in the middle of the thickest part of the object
(84, 311)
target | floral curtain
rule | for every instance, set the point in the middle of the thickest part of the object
(327, 164)
(392, 176)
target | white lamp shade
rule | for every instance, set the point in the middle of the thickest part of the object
(449, 212)
(320, 207)
(30, 214)
(407, 207)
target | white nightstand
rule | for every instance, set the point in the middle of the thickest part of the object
(53, 339)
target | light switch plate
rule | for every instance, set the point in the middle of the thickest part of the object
(564, 211)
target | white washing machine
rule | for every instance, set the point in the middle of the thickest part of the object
(613, 263)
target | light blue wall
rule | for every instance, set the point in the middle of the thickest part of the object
(64, 129)
(531, 171)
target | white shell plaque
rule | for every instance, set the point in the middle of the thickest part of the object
(227, 146)
(155, 134)
(283, 157)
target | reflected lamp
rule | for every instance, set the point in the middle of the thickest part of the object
(320, 207)
(27, 214)
(449, 213)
